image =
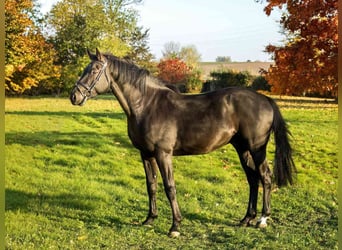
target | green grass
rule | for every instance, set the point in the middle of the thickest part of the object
(73, 181)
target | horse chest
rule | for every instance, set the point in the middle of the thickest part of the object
(148, 136)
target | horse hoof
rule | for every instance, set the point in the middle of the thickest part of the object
(174, 234)
(243, 224)
(148, 222)
(247, 222)
(262, 222)
(261, 225)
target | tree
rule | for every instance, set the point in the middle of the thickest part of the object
(307, 62)
(110, 25)
(171, 50)
(226, 59)
(29, 58)
(77, 24)
(190, 55)
(124, 21)
(180, 65)
(173, 70)
(140, 51)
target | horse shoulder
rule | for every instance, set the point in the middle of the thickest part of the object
(156, 128)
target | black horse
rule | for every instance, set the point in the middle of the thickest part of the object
(163, 123)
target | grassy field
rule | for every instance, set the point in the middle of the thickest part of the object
(73, 181)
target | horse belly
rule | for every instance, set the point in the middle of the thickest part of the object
(195, 143)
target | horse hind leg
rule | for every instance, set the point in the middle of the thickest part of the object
(252, 175)
(266, 180)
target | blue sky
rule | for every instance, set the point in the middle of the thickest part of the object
(239, 29)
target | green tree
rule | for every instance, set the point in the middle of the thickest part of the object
(110, 25)
(29, 58)
(139, 49)
(226, 59)
(187, 55)
(190, 55)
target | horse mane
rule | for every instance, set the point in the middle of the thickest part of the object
(125, 71)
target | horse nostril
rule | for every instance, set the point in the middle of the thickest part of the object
(73, 98)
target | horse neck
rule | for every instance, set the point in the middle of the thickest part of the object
(121, 99)
(131, 99)
(135, 99)
(136, 95)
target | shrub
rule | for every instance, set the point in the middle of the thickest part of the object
(173, 70)
(194, 82)
(228, 78)
(260, 83)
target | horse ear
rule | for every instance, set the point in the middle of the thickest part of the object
(99, 55)
(91, 56)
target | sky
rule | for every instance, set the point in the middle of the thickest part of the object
(239, 29)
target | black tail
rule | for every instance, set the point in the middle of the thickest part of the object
(284, 165)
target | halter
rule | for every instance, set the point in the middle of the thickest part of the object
(88, 89)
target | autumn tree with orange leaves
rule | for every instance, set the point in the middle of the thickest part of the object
(307, 63)
(173, 70)
(29, 61)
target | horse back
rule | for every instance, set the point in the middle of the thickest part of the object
(197, 124)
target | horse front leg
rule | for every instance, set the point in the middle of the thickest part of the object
(151, 169)
(164, 161)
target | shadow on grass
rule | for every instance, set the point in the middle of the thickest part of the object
(305, 103)
(95, 115)
(66, 205)
(53, 138)
(203, 219)
(29, 202)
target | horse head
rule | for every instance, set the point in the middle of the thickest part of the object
(93, 81)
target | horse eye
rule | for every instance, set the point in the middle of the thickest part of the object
(94, 71)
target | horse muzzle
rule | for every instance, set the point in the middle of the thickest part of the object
(77, 98)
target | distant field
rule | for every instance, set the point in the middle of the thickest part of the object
(74, 181)
(251, 67)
